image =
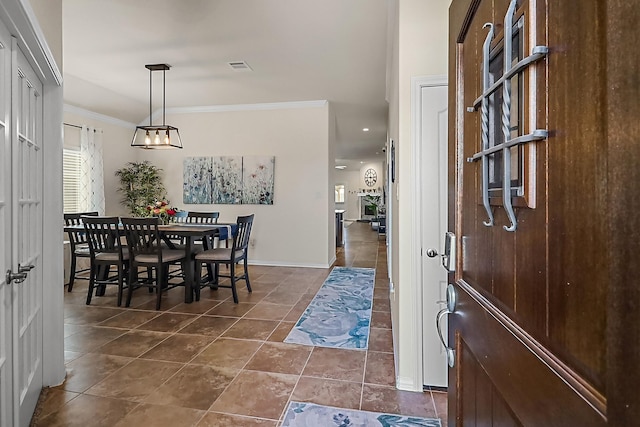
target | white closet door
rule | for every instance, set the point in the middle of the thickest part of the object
(27, 115)
(6, 324)
(20, 235)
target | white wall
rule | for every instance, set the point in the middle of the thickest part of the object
(418, 48)
(297, 230)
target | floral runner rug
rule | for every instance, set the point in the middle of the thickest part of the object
(312, 415)
(340, 314)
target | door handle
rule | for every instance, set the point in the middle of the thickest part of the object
(452, 297)
(15, 277)
(448, 257)
(20, 276)
(25, 268)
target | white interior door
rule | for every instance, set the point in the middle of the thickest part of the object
(27, 114)
(21, 239)
(6, 365)
(434, 225)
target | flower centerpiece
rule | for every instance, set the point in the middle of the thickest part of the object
(162, 210)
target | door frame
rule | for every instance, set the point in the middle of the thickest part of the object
(413, 336)
(20, 19)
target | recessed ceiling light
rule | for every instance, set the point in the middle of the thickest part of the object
(365, 129)
(362, 163)
(341, 167)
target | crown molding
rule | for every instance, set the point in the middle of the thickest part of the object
(97, 116)
(202, 109)
(247, 107)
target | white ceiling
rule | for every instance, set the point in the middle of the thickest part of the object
(299, 50)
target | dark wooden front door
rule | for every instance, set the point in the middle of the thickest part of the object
(546, 328)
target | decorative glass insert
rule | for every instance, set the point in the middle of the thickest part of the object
(502, 115)
(496, 136)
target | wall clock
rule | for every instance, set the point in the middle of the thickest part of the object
(370, 177)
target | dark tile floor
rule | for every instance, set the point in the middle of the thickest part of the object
(216, 363)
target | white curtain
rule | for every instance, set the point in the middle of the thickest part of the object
(91, 171)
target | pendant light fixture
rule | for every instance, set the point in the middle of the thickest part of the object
(156, 136)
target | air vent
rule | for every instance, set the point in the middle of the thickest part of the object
(239, 66)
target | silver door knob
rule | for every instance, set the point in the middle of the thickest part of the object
(432, 253)
(15, 277)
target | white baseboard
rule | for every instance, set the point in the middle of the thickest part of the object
(408, 384)
(287, 264)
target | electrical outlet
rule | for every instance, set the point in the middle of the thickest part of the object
(252, 243)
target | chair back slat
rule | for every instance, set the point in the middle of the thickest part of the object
(203, 217)
(241, 239)
(102, 234)
(77, 236)
(143, 237)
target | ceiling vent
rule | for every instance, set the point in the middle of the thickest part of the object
(239, 66)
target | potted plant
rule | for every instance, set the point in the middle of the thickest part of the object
(141, 186)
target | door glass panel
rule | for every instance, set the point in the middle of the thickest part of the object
(496, 135)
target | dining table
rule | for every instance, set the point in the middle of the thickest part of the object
(190, 232)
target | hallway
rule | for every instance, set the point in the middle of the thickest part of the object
(215, 363)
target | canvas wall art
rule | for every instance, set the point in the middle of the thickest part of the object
(229, 180)
(197, 180)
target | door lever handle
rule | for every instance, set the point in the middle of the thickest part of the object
(451, 307)
(25, 268)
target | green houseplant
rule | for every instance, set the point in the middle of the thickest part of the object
(141, 186)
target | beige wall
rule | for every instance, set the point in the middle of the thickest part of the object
(419, 49)
(297, 230)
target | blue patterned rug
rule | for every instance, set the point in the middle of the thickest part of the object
(340, 313)
(312, 415)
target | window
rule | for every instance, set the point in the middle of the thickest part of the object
(71, 180)
(339, 198)
(496, 134)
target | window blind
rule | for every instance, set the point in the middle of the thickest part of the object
(71, 180)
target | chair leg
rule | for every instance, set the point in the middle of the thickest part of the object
(196, 279)
(133, 279)
(159, 282)
(209, 272)
(233, 282)
(72, 273)
(216, 276)
(246, 275)
(92, 281)
(120, 285)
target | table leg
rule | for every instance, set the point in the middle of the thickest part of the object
(189, 271)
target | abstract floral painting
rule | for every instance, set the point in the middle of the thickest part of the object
(257, 180)
(311, 415)
(226, 180)
(197, 180)
(229, 180)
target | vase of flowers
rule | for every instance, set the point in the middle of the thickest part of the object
(162, 210)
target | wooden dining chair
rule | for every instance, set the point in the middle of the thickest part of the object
(106, 250)
(79, 247)
(235, 254)
(146, 250)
